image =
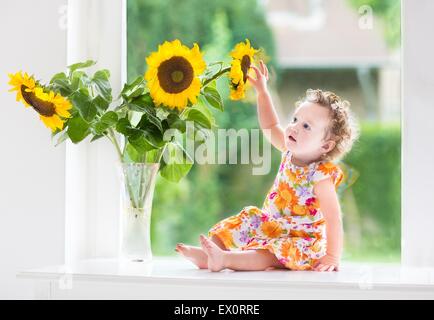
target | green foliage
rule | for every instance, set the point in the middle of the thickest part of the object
(377, 158)
(180, 162)
(78, 129)
(151, 22)
(144, 140)
(213, 97)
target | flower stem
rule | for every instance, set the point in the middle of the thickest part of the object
(139, 201)
(113, 139)
(216, 76)
(162, 151)
(111, 135)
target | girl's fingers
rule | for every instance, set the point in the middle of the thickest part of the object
(318, 266)
(258, 73)
(261, 64)
(266, 72)
(324, 268)
(251, 79)
(331, 268)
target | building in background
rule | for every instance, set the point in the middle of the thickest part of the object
(327, 44)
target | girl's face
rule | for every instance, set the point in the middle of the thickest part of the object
(305, 133)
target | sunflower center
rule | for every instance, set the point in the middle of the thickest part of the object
(44, 108)
(175, 75)
(245, 65)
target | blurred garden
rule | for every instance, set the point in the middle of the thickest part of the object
(371, 205)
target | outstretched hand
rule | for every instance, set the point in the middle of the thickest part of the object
(260, 82)
(327, 263)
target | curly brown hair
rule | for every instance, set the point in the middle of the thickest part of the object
(344, 129)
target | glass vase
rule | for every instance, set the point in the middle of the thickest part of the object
(137, 191)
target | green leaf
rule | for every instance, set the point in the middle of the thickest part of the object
(83, 103)
(107, 120)
(149, 121)
(78, 129)
(179, 162)
(175, 122)
(81, 65)
(131, 154)
(123, 125)
(96, 137)
(154, 137)
(130, 88)
(199, 117)
(137, 92)
(79, 80)
(110, 118)
(141, 144)
(138, 108)
(213, 97)
(152, 155)
(201, 105)
(145, 100)
(101, 84)
(100, 128)
(61, 83)
(100, 103)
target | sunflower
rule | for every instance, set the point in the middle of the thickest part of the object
(237, 83)
(22, 84)
(49, 106)
(172, 74)
(242, 58)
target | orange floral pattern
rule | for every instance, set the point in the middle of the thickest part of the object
(285, 196)
(290, 223)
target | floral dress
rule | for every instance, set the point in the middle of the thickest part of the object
(290, 223)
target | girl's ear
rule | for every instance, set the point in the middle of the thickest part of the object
(328, 146)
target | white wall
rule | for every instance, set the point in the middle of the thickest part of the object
(417, 133)
(96, 31)
(32, 170)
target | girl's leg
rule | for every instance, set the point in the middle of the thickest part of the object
(218, 242)
(251, 260)
(196, 254)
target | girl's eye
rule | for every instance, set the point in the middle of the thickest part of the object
(294, 119)
(306, 126)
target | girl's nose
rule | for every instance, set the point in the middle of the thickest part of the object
(293, 130)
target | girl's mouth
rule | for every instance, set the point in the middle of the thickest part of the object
(292, 139)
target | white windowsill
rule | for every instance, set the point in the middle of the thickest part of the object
(175, 278)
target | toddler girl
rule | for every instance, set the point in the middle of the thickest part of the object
(299, 226)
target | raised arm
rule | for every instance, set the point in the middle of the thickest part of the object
(267, 116)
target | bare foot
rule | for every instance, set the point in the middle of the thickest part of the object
(215, 254)
(194, 254)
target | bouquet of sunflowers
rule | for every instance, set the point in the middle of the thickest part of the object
(178, 87)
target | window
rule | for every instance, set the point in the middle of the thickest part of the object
(344, 46)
